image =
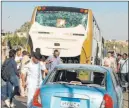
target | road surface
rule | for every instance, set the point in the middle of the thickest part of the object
(21, 102)
(126, 100)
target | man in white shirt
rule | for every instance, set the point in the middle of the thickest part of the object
(109, 61)
(43, 64)
(123, 68)
(18, 57)
(24, 61)
(34, 76)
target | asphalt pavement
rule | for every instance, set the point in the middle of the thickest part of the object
(126, 100)
(21, 102)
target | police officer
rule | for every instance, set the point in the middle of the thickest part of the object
(34, 76)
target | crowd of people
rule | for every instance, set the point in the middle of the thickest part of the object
(27, 71)
(119, 64)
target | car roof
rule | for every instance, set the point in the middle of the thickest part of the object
(95, 68)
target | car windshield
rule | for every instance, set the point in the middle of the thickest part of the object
(78, 77)
(61, 19)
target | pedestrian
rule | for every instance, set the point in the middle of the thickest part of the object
(38, 50)
(12, 84)
(18, 57)
(123, 68)
(109, 61)
(54, 60)
(25, 59)
(43, 64)
(119, 57)
(33, 77)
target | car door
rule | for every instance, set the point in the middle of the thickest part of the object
(118, 90)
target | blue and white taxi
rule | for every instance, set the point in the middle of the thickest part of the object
(80, 86)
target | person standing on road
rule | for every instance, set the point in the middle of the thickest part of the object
(109, 61)
(12, 84)
(118, 58)
(18, 57)
(38, 50)
(34, 77)
(54, 60)
(24, 60)
(123, 68)
(43, 64)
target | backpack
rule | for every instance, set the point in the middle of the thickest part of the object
(5, 73)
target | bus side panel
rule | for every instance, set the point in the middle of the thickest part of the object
(100, 47)
(94, 51)
(30, 43)
(86, 52)
(97, 44)
(94, 43)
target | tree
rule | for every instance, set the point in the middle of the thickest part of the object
(109, 45)
(119, 47)
(17, 41)
(25, 27)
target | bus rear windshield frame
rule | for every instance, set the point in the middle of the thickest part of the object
(67, 9)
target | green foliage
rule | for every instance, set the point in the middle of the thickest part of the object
(24, 28)
(120, 48)
(15, 40)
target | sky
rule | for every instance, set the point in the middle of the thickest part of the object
(112, 17)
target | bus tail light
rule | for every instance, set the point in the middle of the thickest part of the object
(85, 11)
(107, 102)
(39, 8)
(35, 101)
(81, 10)
(43, 8)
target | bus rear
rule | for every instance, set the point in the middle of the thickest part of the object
(67, 29)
